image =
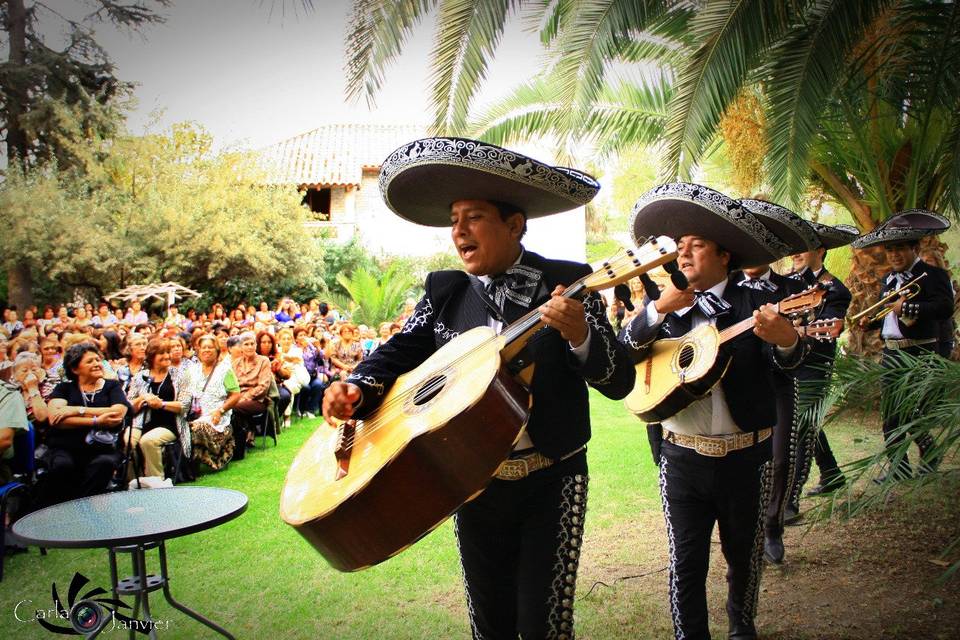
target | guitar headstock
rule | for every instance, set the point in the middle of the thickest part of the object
(823, 330)
(629, 263)
(803, 302)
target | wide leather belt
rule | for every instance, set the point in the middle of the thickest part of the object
(520, 467)
(906, 343)
(717, 446)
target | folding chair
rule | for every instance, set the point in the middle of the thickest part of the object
(24, 470)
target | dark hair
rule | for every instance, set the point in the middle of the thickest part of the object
(506, 210)
(112, 352)
(324, 308)
(154, 348)
(73, 356)
(273, 343)
(232, 341)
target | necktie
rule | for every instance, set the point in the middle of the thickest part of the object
(900, 277)
(758, 284)
(710, 305)
(518, 284)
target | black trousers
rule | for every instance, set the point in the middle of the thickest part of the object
(893, 435)
(785, 443)
(76, 473)
(698, 491)
(519, 545)
(810, 440)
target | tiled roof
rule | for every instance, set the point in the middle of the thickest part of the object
(335, 154)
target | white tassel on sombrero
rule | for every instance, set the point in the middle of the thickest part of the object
(681, 208)
(787, 225)
(906, 226)
(420, 180)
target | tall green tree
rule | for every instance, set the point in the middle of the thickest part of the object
(60, 103)
(376, 298)
(160, 207)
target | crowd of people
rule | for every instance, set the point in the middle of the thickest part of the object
(106, 389)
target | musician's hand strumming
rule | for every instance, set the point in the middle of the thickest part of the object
(339, 400)
(771, 327)
(566, 316)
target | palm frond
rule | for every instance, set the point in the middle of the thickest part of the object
(467, 35)
(530, 111)
(805, 73)
(591, 33)
(629, 114)
(731, 37)
(925, 392)
(376, 34)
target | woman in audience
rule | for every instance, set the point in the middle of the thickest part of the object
(104, 317)
(255, 378)
(267, 347)
(315, 362)
(215, 391)
(238, 317)
(135, 352)
(28, 374)
(136, 316)
(264, 315)
(346, 353)
(111, 348)
(160, 398)
(218, 315)
(179, 354)
(85, 412)
(291, 357)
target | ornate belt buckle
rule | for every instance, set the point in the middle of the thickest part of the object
(714, 448)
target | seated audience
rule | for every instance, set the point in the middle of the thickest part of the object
(85, 413)
(346, 352)
(267, 347)
(318, 368)
(13, 416)
(160, 398)
(215, 391)
(255, 378)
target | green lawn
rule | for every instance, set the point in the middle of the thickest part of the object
(258, 578)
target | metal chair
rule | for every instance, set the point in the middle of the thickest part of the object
(23, 465)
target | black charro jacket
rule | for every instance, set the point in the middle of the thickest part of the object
(931, 306)
(747, 384)
(452, 303)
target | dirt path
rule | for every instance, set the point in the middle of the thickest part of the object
(875, 576)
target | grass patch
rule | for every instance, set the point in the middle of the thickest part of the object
(259, 579)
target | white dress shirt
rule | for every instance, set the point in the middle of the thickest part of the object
(891, 328)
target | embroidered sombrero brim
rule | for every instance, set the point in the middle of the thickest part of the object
(835, 236)
(681, 208)
(907, 226)
(784, 223)
(420, 180)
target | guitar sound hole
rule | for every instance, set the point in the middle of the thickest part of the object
(429, 390)
(686, 355)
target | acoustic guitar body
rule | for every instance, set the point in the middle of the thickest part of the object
(677, 372)
(360, 497)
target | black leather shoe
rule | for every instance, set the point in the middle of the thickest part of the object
(791, 515)
(822, 488)
(773, 549)
(742, 632)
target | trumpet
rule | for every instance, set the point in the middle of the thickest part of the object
(880, 310)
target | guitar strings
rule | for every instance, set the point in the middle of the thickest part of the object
(386, 411)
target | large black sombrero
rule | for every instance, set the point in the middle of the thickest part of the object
(784, 223)
(834, 236)
(420, 180)
(906, 226)
(682, 208)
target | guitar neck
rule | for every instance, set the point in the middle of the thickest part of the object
(517, 333)
(734, 330)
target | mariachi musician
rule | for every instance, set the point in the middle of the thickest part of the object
(815, 373)
(792, 229)
(911, 326)
(520, 539)
(714, 455)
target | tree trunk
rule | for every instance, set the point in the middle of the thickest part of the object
(865, 282)
(20, 286)
(19, 278)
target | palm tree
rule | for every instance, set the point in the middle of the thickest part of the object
(376, 298)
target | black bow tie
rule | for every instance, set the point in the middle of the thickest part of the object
(710, 305)
(900, 277)
(758, 284)
(518, 284)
